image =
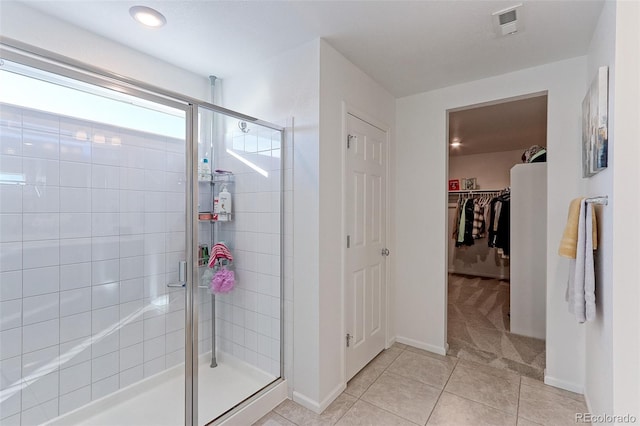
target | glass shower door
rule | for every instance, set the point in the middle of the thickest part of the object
(239, 290)
(93, 226)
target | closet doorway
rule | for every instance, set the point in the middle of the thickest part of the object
(496, 241)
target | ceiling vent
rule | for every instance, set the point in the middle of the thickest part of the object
(506, 21)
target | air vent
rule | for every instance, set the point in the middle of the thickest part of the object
(506, 21)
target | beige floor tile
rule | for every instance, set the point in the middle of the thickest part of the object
(456, 411)
(273, 419)
(539, 384)
(386, 357)
(303, 416)
(423, 368)
(365, 414)
(491, 386)
(365, 378)
(407, 398)
(525, 422)
(400, 346)
(547, 406)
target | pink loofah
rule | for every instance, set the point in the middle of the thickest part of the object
(223, 281)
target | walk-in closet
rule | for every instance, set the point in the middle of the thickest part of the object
(496, 234)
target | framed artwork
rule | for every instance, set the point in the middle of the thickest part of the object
(595, 125)
(454, 184)
(469, 183)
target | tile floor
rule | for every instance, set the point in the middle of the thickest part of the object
(405, 386)
(478, 327)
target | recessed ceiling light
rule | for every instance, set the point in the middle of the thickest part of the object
(147, 16)
(455, 143)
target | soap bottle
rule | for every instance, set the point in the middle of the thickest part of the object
(205, 169)
(224, 204)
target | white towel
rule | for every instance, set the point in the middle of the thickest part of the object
(581, 286)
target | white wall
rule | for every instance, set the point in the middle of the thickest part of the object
(626, 269)
(421, 234)
(30, 26)
(490, 169)
(599, 333)
(341, 83)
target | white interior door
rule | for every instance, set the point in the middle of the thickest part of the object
(365, 285)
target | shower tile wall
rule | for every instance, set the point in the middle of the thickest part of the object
(248, 318)
(91, 231)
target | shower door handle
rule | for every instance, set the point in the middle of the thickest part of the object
(182, 275)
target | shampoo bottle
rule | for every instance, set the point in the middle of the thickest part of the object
(224, 204)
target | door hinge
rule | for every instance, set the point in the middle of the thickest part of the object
(349, 337)
(349, 137)
(348, 241)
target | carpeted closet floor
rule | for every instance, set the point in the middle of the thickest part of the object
(478, 327)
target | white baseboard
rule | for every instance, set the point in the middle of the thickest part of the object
(562, 384)
(440, 350)
(259, 407)
(314, 405)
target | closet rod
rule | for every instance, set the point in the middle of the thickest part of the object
(603, 200)
(477, 191)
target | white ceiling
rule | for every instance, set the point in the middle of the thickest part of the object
(407, 46)
(504, 126)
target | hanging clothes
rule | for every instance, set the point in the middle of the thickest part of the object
(500, 224)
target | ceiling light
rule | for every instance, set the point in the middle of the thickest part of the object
(147, 16)
(455, 143)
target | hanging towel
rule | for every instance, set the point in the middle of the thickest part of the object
(581, 286)
(219, 251)
(568, 244)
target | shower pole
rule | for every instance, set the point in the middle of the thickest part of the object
(214, 363)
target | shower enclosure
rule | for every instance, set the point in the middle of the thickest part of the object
(107, 224)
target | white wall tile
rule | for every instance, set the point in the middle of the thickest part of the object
(74, 327)
(10, 141)
(155, 180)
(131, 376)
(132, 179)
(105, 271)
(154, 159)
(131, 245)
(40, 199)
(105, 387)
(11, 197)
(11, 372)
(106, 177)
(132, 311)
(10, 256)
(74, 174)
(105, 200)
(154, 201)
(75, 399)
(75, 377)
(176, 202)
(75, 200)
(10, 227)
(75, 301)
(105, 342)
(131, 223)
(104, 366)
(154, 366)
(105, 248)
(131, 289)
(40, 308)
(10, 285)
(40, 226)
(10, 343)
(37, 254)
(75, 275)
(10, 314)
(154, 348)
(104, 318)
(131, 356)
(40, 335)
(154, 327)
(105, 224)
(40, 144)
(174, 341)
(175, 358)
(33, 362)
(154, 223)
(106, 154)
(40, 121)
(132, 156)
(75, 148)
(131, 334)
(75, 225)
(40, 413)
(131, 267)
(154, 243)
(40, 281)
(75, 250)
(105, 295)
(175, 163)
(41, 172)
(132, 201)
